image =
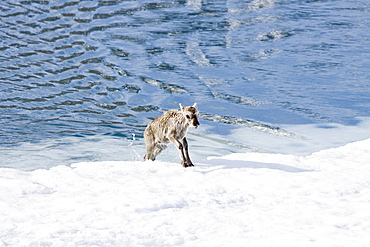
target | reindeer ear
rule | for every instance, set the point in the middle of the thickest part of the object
(195, 105)
(181, 107)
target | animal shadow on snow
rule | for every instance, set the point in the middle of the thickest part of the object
(233, 164)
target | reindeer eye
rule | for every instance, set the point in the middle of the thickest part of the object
(187, 116)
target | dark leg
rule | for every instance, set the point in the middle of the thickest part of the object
(188, 161)
(178, 144)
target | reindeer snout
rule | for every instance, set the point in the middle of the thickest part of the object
(196, 123)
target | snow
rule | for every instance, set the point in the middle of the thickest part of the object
(242, 199)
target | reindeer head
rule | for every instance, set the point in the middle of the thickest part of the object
(191, 114)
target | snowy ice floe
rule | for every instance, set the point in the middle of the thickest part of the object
(254, 199)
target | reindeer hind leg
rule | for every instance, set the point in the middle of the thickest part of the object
(149, 152)
(150, 144)
(158, 149)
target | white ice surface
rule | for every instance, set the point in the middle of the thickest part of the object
(250, 199)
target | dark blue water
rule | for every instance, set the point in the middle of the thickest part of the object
(74, 73)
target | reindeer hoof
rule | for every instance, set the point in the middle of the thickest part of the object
(186, 164)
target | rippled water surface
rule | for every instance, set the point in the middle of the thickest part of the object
(78, 70)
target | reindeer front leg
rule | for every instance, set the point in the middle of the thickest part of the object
(188, 161)
(179, 145)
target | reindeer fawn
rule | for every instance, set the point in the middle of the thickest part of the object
(172, 127)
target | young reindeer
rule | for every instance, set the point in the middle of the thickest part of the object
(172, 127)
